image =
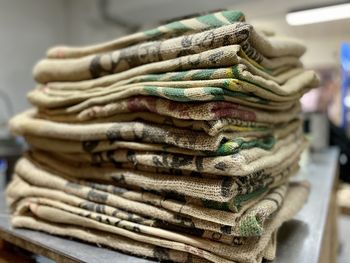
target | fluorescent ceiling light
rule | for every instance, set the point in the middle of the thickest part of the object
(319, 14)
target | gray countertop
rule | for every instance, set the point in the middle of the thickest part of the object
(299, 240)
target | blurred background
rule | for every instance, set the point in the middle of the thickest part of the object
(29, 28)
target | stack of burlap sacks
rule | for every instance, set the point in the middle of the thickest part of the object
(175, 143)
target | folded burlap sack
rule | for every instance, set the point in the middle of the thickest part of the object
(215, 110)
(238, 87)
(94, 66)
(231, 89)
(241, 137)
(215, 252)
(44, 213)
(212, 128)
(239, 72)
(235, 224)
(173, 171)
(233, 191)
(196, 94)
(119, 243)
(240, 164)
(223, 190)
(68, 146)
(220, 57)
(143, 209)
(234, 70)
(105, 147)
(239, 226)
(26, 124)
(53, 206)
(100, 238)
(236, 78)
(231, 147)
(176, 28)
(279, 47)
(182, 221)
(19, 189)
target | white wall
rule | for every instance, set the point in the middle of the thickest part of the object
(86, 25)
(27, 29)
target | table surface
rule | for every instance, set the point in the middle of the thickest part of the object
(299, 240)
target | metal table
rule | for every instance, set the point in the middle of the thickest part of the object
(299, 240)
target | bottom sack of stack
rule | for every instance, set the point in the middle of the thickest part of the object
(149, 223)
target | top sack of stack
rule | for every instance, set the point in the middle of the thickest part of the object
(170, 41)
(216, 57)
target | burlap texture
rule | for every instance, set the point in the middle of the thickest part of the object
(130, 165)
(19, 189)
(184, 224)
(249, 220)
(293, 89)
(271, 47)
(230, 87)
(221, 189)
(211, 128)
(221, 57)
(249, 252)
(116, 242)
(240, 226)
(209, 111)
(233, 90)
(239, 70)
(134, 207)
(49, 208)
(68, 146)
(241, 164)
(199, 94)
(27, 125)
(247, 225)
(271, 249)
(48, 213)
(95, 66)
(176, 28)
(246, 161)
(241, 138)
